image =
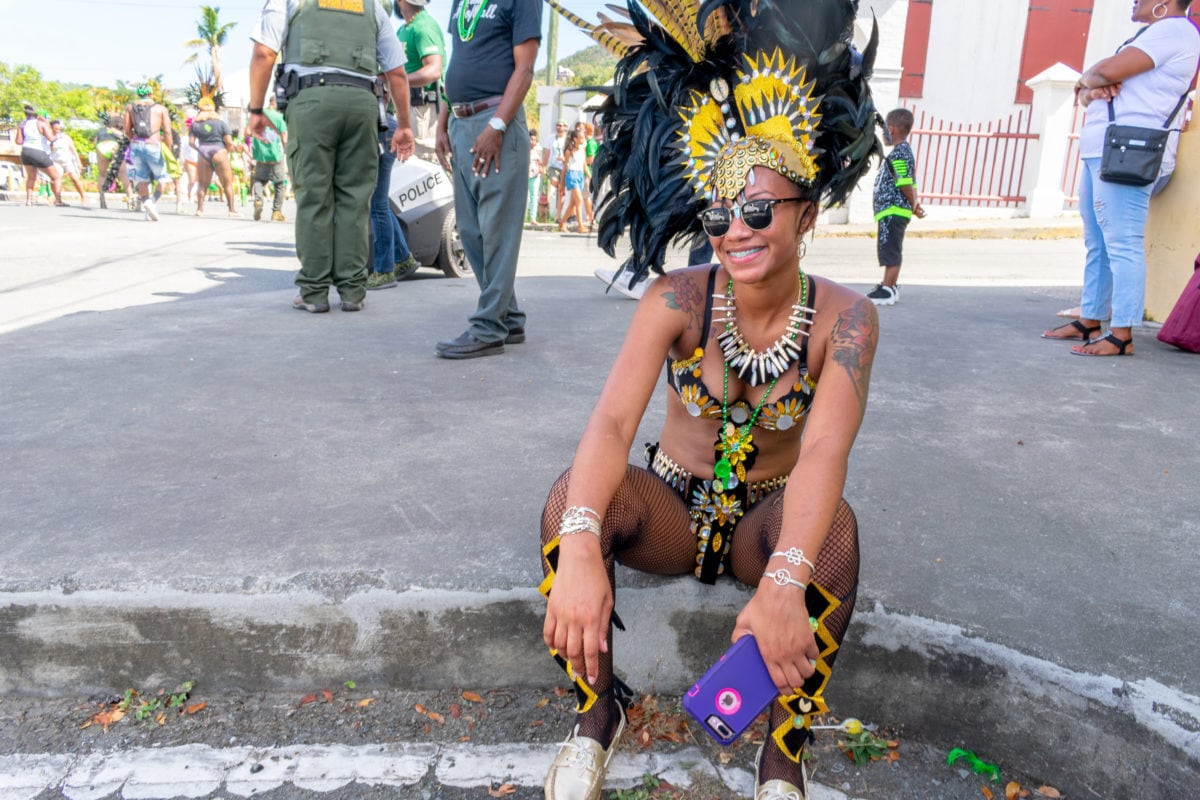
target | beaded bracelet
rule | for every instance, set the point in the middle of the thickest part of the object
(784, 578)
(579, 519)
(795, 556)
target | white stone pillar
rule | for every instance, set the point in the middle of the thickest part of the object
(1051, 114)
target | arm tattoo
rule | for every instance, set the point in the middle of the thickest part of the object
(853, 340)
(685, 297)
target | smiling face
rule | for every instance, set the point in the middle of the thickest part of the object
(751, 256)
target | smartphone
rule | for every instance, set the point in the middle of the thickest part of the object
(732, 692)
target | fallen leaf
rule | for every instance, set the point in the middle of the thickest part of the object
(472, 697)
(87, 724)
(160, 718)
(1012, 791)
(455, 711)
(893, 743)
(328, 695)
(426, 729)
(420, 709)
(1048, 791)
(502, 791)
(537, 723)
(545, 701)
(892, 757)
(987, 792)
(194, 707)
(560, 691)
(464, 738)
(436, 717)
(308, 698)
(366, 701)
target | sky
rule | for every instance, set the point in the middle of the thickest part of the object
(100, 41)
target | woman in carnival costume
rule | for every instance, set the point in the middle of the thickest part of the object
(732, 120)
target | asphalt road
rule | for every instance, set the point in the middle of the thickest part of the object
(197, 478)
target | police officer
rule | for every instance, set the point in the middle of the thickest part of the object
(332, 50)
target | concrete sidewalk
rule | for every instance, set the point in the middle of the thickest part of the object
(195, 477)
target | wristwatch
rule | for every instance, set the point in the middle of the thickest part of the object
(255, 110)
(498, 124)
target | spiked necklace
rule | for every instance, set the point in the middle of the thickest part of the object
(776, 359)
(735, 444)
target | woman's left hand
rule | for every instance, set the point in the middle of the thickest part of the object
(778, 619)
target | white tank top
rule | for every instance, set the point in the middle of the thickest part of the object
(33, 136)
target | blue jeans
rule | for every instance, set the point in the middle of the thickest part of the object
(146, 162)
(391, 248)
(1114, 228)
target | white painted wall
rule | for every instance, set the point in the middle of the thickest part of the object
(1111, 25)
(974, 59)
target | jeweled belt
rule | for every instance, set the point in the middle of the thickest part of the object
(677, 477)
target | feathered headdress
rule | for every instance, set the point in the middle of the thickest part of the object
(705, 91)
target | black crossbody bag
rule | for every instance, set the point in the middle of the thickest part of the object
(1132, 156)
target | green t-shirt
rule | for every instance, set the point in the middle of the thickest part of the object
(271, 149)
(422, 37)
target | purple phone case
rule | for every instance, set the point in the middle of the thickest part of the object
(732, 692)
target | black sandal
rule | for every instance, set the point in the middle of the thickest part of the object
(1085, 333)
(1112, 339)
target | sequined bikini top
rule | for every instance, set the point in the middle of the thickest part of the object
(684, 377)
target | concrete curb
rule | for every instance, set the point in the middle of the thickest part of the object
(957, 688)
(152, 773)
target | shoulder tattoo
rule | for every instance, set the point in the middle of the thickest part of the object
(853, 340)
(686, 297)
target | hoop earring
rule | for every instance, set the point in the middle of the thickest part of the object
(1160, 7)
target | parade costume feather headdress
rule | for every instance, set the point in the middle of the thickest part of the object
(705, 91)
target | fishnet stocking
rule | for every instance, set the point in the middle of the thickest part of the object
(647, 527)
(837, 572)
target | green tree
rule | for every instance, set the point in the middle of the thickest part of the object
(211, 37)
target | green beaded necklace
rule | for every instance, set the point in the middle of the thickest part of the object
(466, 32)
(732, 440)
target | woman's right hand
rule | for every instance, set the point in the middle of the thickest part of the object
(580, 607)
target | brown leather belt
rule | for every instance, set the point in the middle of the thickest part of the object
(464, 110)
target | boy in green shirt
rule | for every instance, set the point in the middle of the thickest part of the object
(267, 152)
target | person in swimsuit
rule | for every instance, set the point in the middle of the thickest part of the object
(110, 144)
(213, 141)
(35, 138)
(768, 371)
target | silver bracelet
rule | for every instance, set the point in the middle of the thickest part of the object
(795, 556)
(784, 578)
(579, 519)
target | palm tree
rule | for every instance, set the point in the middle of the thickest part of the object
(211, 36)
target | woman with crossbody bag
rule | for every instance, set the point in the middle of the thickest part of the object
(1144, 80)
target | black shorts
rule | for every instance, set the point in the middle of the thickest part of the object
(890, 240)
(33, 157)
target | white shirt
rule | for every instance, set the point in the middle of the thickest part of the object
(1147, 98)
(272, 26)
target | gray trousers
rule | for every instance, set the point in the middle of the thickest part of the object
(491, 219)
(271, 172)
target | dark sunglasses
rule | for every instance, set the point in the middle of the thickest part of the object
(756, 214)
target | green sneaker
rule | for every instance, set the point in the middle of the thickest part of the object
(405, 269)
(381, 280)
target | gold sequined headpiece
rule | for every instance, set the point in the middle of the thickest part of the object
(771, 122)
(707, 90)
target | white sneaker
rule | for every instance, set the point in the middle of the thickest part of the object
(621, 283)
(150, 210)
(605, 274)
(884, 295)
